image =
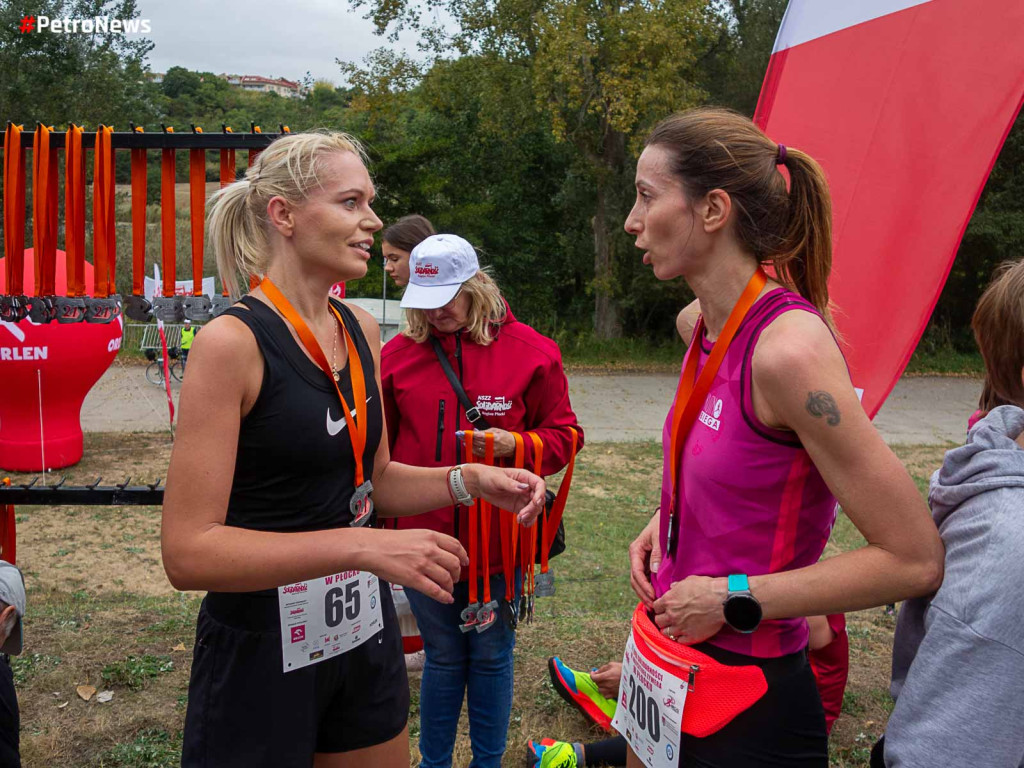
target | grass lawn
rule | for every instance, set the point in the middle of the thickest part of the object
(102, 614)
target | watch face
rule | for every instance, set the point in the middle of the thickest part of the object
(742, 613)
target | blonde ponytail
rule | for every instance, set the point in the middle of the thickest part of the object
(288, 168)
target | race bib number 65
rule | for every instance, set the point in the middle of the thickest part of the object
(650, 709)
(326, 617)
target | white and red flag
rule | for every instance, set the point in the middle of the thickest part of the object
(906, 104)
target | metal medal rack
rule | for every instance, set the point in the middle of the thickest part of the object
(94, 494)
(73, 149)
(101, 304)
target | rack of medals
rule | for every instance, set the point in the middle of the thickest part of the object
(77, 151)
(530, 546)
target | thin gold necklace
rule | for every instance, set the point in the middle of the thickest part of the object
(334, 353)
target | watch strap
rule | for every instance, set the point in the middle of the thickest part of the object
(738, 582)
(457, 486)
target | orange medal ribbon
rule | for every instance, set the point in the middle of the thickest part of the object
(138, 219)
(693, 390)
(474, 518)
(361, 504)
(510, 530)
(485, 522)
(74, 212)
(14, 211)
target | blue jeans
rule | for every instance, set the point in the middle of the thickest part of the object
(457, 664)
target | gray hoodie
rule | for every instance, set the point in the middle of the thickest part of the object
(958, 657)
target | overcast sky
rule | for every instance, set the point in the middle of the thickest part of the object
(260, 37)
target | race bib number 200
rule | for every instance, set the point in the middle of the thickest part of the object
(650, 709)
(326, 617)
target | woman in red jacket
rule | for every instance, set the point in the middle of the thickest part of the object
(513, 377)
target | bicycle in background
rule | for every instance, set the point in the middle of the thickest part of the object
(155, 369)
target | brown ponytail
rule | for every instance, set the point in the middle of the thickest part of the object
(791, 228)
(408, 232)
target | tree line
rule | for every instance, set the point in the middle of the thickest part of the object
(518, 128)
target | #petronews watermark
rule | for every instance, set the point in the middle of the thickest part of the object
(103, 25)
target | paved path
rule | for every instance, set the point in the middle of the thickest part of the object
(921, 410)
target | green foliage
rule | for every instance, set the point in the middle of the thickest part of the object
(941, 351)
(735, 64)
(58, 78)
(994, 235)
(151, 748)
(520, 133)
(642, 353)
(135, 672)
(27, 665)
(591, 75)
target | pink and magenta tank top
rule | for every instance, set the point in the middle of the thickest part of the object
(750, 499)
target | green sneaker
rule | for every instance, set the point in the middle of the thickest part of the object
(579, 690)
(548, 753)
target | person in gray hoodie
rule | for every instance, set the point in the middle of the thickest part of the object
(958, 657)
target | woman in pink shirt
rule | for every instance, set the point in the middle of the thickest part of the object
(755, 467)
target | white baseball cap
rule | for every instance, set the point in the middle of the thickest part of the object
(438, 267)
(12, 592)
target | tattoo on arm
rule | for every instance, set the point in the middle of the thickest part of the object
(822, 404)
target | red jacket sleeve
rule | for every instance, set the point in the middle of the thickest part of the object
(549, 414)
(387, 395)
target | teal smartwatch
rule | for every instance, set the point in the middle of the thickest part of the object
(742, 611)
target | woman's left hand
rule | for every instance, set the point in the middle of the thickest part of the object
(516, 490)
(692, 610)
(504, 443)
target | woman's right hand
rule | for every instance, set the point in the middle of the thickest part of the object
(644, 559)
(606, 678)
(427, 561)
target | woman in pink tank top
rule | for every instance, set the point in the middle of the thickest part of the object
(751, 483)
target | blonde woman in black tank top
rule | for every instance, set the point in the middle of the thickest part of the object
(265, 466)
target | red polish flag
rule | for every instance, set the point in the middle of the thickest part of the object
(906, 104)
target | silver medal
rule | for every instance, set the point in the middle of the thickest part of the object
(487, 616)
(361, 505)
(544, 586)
(468, 617)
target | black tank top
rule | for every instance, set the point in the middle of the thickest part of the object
(295, 469)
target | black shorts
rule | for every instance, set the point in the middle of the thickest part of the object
(785, 728)
(9, 718)
(243, 710)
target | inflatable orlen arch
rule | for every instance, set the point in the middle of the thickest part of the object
(45, 373)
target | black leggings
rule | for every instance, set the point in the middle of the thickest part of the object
(608, 752)
(785, 728)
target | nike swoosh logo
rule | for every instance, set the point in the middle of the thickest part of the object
(334, 427)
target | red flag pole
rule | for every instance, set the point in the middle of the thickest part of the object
(167, 373)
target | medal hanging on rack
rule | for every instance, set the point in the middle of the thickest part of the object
(361, 502)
